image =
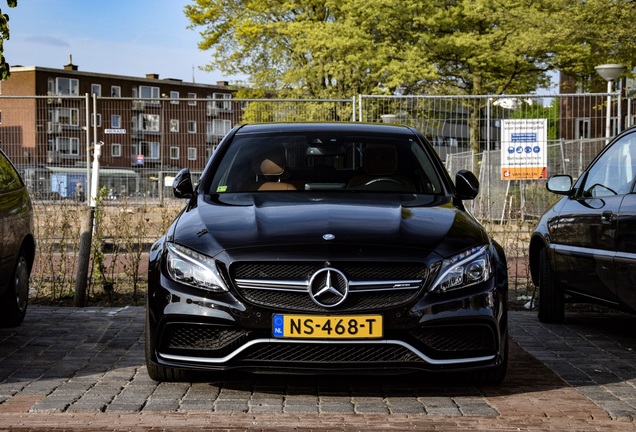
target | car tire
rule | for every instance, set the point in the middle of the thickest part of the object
(14, 302)
(551, 298)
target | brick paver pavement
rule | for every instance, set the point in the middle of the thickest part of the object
(82, 369)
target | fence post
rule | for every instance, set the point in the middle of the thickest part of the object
(353, 108)
(88, 146)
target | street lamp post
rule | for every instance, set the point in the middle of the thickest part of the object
(609, 72)
(161, 151)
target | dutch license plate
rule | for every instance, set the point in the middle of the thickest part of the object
(327, 327)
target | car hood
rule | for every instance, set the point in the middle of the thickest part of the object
(298, 224)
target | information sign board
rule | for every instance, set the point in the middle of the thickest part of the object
(524, 149)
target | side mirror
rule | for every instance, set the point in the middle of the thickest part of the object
(560, 184)
(182, 184)
(466, 184)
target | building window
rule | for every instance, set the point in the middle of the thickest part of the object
(148, 92)
(115, 150)
(614, 126)
(97, 123)
(582, 128)
(65, 116)
(149, 150)
(115, 91)
(223, 101)
(115, 121)
(147, 122)
(174, 95)
(64, 87)
(583, 84)
(174, 125)
(218, 127)
(174, 152)
(192, 153)
(192, 96)
(192, 126)
(67, 146)
(96, 89)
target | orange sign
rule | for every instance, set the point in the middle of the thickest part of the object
(524, 173)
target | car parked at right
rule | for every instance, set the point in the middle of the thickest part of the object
(17, 244)
(584, 247)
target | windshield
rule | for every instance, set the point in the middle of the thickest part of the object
(275, 162)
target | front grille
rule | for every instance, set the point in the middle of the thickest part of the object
(331, 354)
(372, 286)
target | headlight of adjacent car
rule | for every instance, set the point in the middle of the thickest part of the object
(463, 270)
(192, 268)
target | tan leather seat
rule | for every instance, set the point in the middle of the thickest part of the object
(271, 167)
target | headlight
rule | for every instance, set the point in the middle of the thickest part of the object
(192, 268)
(463, 270)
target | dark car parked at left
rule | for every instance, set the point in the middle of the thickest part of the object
(327, 248)
(17, 244)
(584, 247)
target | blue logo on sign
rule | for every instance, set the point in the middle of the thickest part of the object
(536, 149)
(519, 149)
(511, 150)
(528, 149)
(523, 136)
(278, 326)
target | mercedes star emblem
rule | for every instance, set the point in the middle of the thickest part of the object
(328, 287)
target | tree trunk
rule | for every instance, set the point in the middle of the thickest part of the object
(84, 255)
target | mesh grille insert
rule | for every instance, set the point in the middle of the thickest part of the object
(201, 337)
(459, 339)
(330, 354)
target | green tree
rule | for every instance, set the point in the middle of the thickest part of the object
(491, 46)
(508, 46)
(601, 31)
(326, 48)
(4, 35)
(317, 48)
(339, 48)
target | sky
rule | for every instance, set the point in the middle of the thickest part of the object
(120, 37)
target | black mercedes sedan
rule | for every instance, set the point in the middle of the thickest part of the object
(583, 250)
(326, 248)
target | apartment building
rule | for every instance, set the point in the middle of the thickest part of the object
(50, 119)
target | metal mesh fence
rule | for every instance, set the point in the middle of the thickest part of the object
(147, 141)
(467, 134)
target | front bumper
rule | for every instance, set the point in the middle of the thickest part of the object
(464, 330)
